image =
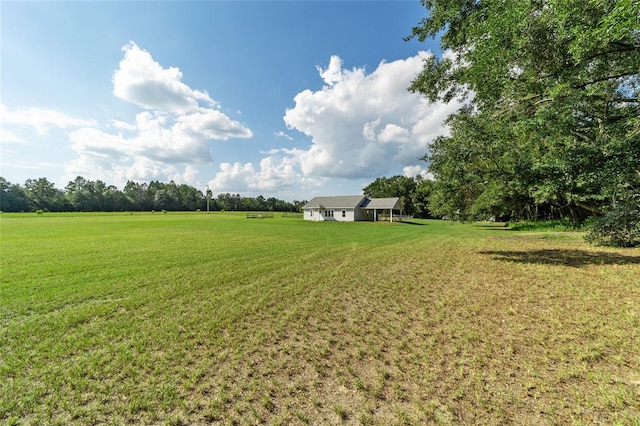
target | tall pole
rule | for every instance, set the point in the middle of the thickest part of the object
(207, 199)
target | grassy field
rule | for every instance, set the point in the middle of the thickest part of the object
(214, 318)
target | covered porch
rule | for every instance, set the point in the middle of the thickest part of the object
(381, 209)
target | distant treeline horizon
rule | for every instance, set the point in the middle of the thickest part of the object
(84, 195)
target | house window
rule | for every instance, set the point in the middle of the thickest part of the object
(344, 213)
(329, 213)
(311, 213)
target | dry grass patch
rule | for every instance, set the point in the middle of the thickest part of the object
(445, 335)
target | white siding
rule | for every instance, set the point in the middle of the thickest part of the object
(349, 215)
(313, 214)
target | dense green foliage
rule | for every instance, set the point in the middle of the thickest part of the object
(552, 122)
(619, 226)
(413, 193)
(83, 195)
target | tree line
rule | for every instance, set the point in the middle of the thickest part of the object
(84, 195)
(551, 119)
(414, 193)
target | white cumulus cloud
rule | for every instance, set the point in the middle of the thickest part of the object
(275, 173)
(394, 133)
(154, 139)
(417, 170)
(212, 124)
(167, 139)
(365, 125)
(144, 82)
(361, 126)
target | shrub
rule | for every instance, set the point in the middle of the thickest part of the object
(557, 225)
(619, 227)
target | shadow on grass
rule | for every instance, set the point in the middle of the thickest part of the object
(408, 222)
(497, 226)
(575, 258)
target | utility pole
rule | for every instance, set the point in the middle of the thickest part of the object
(208, 196)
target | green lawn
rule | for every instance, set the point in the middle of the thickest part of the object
(196, 318)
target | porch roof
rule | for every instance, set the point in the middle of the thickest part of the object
(381, 204)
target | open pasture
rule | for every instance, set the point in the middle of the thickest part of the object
(186, 318)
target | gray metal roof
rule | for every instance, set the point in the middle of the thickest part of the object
(382, 203)
(352, 202)
(338, 202)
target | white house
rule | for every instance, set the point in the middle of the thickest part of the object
(349, 208)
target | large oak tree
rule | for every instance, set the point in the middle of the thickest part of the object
(552, 121)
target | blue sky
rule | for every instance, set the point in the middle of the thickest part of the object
(284, 99)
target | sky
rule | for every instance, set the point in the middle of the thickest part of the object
(285, 99)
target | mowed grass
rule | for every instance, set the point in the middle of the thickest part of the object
(214, 318)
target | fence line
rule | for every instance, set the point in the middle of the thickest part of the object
(261, 215)
(396, 217)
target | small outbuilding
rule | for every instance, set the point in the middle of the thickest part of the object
(351, 208)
